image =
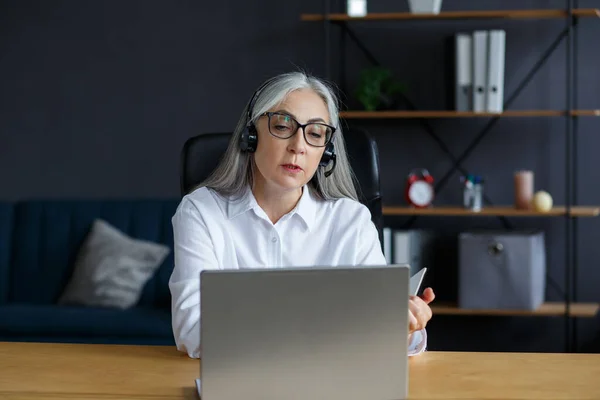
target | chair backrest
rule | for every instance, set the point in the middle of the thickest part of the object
(202, 153)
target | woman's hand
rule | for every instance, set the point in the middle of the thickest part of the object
(419, 312)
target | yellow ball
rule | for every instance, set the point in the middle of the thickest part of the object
(542, 201)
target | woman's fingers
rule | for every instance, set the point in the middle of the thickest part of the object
(413, 323)
(419, 313)
(428, 295)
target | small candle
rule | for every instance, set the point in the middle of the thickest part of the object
(523, 189)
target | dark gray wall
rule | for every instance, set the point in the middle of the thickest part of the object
(97, 98)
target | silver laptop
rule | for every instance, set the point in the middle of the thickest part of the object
(305, 333)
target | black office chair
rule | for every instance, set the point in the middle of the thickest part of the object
(202, 153)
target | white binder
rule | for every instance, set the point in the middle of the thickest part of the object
(480, 47)
(463, 77)
(402, 248)
(387, 244)
(415, 247)
(495, 77)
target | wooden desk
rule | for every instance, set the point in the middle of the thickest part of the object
(31, 371)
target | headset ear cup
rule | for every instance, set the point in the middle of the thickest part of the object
(249, 139)
(252, 139)
(244, 140)
(328, 155)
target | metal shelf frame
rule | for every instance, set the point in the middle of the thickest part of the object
(571, 15)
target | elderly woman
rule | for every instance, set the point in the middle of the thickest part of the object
(283, 195)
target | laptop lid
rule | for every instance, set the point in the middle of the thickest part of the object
(305, 333)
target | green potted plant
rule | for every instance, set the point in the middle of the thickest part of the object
(378, 89)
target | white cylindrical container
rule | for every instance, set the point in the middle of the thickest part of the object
(357, 8)
(477, 197)
(425, 6)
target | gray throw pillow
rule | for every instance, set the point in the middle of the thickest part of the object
(112, 268)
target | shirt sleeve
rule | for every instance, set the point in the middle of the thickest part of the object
(370, 253)
(193, 253)
(418, 343)
(369, 250)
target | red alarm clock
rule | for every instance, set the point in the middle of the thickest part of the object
(419, 188)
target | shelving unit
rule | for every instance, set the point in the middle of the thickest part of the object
(465, 114)
(570, 211)
(496, 211)
(483, 14)
(550, 309)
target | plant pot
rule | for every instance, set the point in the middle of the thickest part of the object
(425, 6)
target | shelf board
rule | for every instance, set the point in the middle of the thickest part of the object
(506, 211)
(585, 113)
(549, 309)
(476, 14)
(465, 114)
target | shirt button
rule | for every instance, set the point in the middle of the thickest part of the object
(273, 239)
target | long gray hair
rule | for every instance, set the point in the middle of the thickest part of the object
(235, 170)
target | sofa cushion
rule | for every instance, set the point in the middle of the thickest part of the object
(6, 232)
(49, 320)
(112, 268)
(49, 233)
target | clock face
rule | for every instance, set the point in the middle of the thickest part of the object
(420, 193)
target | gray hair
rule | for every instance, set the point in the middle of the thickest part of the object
(235, 170)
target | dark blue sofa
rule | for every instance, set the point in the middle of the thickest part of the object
(38, 244)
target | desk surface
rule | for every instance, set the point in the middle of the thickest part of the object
(61, 371)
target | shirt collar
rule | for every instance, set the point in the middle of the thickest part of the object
(241, 204)
(306, 208)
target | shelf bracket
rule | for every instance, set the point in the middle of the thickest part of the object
(475, 142)
(430, 131)
(426, 126)
(570, 34)
(360, 44)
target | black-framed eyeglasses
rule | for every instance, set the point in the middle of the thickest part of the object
(283, 126)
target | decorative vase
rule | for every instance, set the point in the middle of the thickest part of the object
(425, 6)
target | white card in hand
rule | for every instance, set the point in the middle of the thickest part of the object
(416, 280)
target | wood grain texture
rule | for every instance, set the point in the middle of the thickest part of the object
(549, 309)
(458, 375)
(477, 14)
(394, 114)
(506, 211)
(70, 371)
(100, 372)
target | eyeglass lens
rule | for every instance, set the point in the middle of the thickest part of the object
(284, 126)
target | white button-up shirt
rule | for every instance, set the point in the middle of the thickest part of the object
(215, 232)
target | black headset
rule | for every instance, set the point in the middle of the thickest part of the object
(249, 138)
